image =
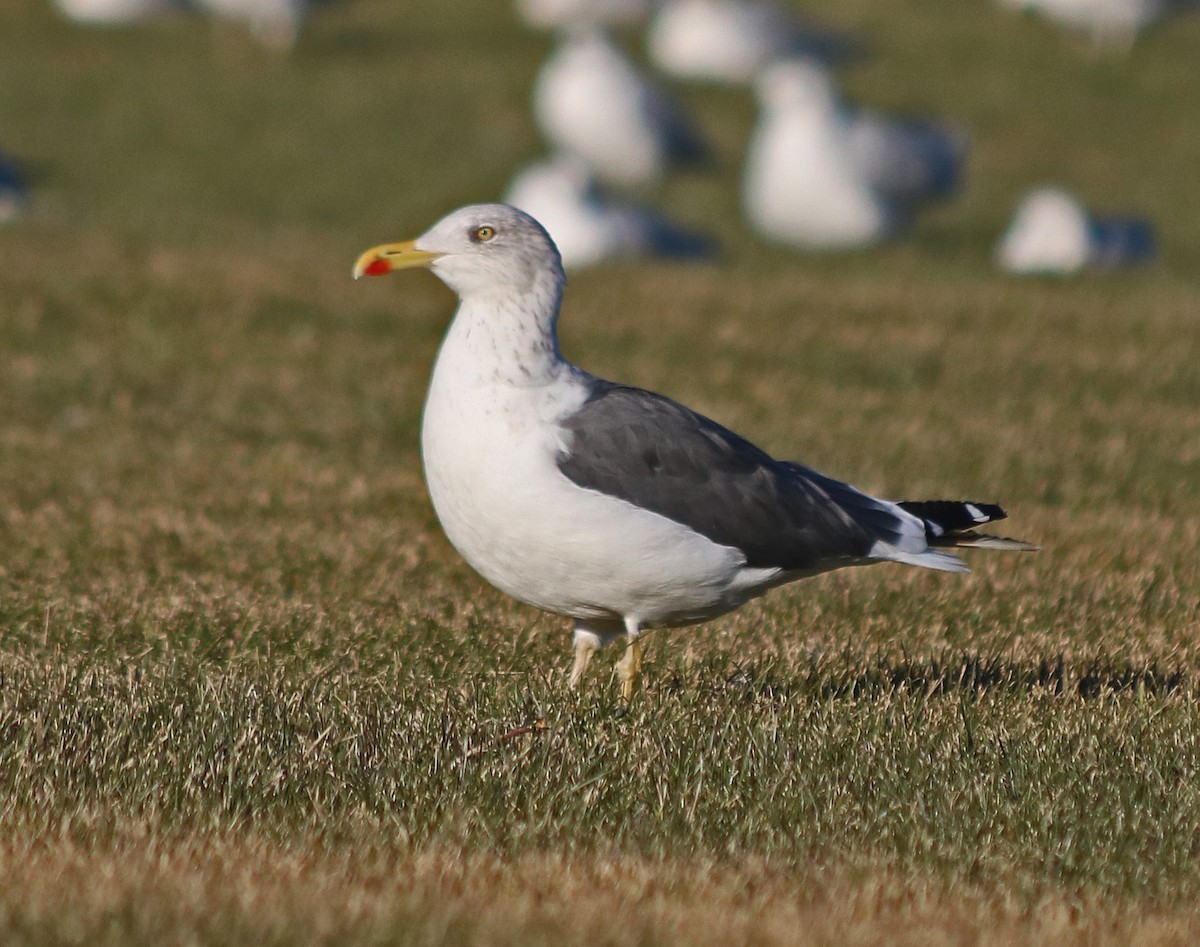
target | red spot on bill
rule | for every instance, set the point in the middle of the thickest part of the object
(377, 267)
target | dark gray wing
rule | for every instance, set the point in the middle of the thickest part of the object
(658, 455)
(906, 161)
(685, 145)
(12, 187)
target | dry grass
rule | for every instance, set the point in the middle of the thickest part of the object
(249, 694)
(204, 890)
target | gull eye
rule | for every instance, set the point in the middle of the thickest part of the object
(483, 234)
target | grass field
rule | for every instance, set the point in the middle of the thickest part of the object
(249, 694)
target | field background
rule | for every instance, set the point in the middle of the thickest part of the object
(249, 694)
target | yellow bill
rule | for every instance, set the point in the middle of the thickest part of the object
(392, 256)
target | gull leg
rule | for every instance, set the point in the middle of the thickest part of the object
(629, 668)
(590, 637)
(584, 649)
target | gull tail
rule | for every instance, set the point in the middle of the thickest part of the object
(952, 523)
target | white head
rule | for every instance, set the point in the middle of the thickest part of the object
(482, 248)
(587, 43)
(1050, 233)
(792, 83)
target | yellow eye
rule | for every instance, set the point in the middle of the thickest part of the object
(480, 234)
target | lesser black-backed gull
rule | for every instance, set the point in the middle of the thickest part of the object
(591, 101)
(819, 175)
(1114, 23)
(588, 225)
(14, 195)
(611, 505)
(729, 41)
(1052, 232)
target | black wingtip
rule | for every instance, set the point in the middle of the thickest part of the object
(952, 523)
(953, 516)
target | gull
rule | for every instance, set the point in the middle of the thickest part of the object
(613, 506)
(590, 101)
(13, 194)
(821, 176)
(731, 40)
(274, 23)
(1107, 22)
(587, 226)
(1052, 232)
(113, 12)
(555, 14)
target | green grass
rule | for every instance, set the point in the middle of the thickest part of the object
(249, 694)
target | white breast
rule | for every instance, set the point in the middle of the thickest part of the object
(489, 449)
(800, 186)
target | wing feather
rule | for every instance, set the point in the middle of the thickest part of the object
(658, 455)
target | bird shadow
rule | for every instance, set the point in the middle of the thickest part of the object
(855, 677)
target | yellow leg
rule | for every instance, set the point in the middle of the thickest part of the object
(629, 668)
(584, 649)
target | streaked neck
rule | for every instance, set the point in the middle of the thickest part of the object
(506, 336)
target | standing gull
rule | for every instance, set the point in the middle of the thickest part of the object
(14, 196)
(273, 23)
(590, 101)
(1108, 22)
(556, 14)
(820, 175)
(1052, 232)
(611, 505)
(731, 40)
(588, 226)
(113, 12)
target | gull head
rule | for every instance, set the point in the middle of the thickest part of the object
(796, 83)
(482, 248)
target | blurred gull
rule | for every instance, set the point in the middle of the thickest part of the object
(587, 226)
(13, 194)
(1052, 232)
(274, 23)
(1115, 22)
(730, 40)
(591, 102)
(112, 12)
(555, 14)
(823, 177)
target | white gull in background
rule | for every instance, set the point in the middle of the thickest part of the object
(588, 226)
(14, 196)
(556, 14)
(274, 23)
(591, 102)
(1107, 22)
(821, 176)
(113, 12)
(731, 40)
(608, 504)
(1052, 232)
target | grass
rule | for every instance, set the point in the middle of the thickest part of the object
(249, 693)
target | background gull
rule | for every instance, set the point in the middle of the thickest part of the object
(556, 14)
(611, 505)
(590, 101)
(821, 176)
(730, 40)
(112, 12)
(587, 225)
(1115, 22)
(13, 194)
(1052, 232)
(274, 23)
